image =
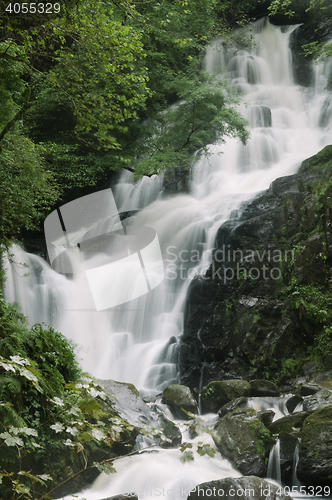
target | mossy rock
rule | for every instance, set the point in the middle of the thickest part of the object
(321, 399)
(263, 388)
(240, 402)
(315, 463)
(290, 424)
(243, 439)
(170, 431)
(322, 159)
(217, 393)
(179, 398)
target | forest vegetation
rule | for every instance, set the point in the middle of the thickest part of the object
(85, 92)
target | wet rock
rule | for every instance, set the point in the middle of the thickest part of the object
(240, 402)
(232, 488)
(217, 393)
(176, 180)
(127, 402)
(308, 389)
(178, 397)
(318, 161)
(319, 400)
(302, 66)
(170, 431)
(292, 403)
(266, 416)
(241, 437)
(315, 463)
(245, 325)
(260, 116)
(328, 361)
(324, 379)
(288, 443)
(290, 424)
(263, 388)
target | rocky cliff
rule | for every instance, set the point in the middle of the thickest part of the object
(263, 309)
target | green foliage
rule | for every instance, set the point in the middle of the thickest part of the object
(84, 82)
(100, 72)
(205, 114)
(26, 189)
(187, 456)
(263, 437)
(323, 159)
(48, 421)
(310, 300)
(205, 449)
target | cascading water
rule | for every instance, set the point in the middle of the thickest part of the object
(137, 342)
(273, 468)
(295, 481)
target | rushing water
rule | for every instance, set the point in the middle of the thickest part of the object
(137, 342)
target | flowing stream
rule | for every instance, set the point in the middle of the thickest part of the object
(137, 342)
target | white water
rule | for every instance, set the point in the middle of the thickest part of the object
(137, 342)
(273, 468)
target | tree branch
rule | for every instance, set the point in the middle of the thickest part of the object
(19, 115)
(4, 55)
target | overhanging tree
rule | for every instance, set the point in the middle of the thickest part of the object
(205, 114)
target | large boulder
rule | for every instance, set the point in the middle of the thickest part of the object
(241, 402)
(217, 393)
(127, 402)
(263, 388)
(291, 424)
(241, 437)
(315, 463)
(308, 389)
(238, 488)
(319, 400)
(292, 402)
(180, 400)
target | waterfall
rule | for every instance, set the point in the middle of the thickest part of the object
(273, 467)
(295, 481)
(137, 342)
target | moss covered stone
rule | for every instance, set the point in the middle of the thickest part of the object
(179, 398)
(322, 159)
(290, 424)
(217, 393)
(315, 464)
(242, 438)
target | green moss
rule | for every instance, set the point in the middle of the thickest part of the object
(315, 424)
(321, 160)
(263, 437)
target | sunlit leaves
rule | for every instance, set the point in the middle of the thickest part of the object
(108, 469)
(57, 427)
(11, 440)
(206, 113)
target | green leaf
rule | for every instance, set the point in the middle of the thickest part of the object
(108, 469)
(206, 449)
(187, 456)
(11, 440)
